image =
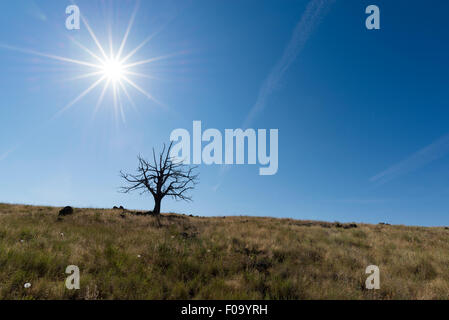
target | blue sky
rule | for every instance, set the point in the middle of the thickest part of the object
(362, 115)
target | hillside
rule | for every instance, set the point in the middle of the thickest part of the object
(125, 256)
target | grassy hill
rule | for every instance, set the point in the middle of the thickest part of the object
(125, 256)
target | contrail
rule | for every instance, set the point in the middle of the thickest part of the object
(310, 19)
(432, 152)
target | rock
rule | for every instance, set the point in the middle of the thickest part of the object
(66, 211)
(338, 225)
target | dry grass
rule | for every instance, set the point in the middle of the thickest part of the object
(214, 258)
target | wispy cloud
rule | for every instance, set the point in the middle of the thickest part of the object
(5, 154)
(312, 16)
(34, 10)
(361, 201)
(432, 152)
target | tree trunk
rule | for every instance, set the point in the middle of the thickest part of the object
(157, 206)
(157, 210)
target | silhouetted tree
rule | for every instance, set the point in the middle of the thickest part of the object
(161, 177)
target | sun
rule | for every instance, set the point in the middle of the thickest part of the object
(113, 70)
(110, 71)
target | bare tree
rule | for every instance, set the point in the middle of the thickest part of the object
(162, 177)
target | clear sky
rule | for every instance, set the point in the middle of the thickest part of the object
(362, 114)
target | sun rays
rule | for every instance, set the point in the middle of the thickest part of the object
(112, 70)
